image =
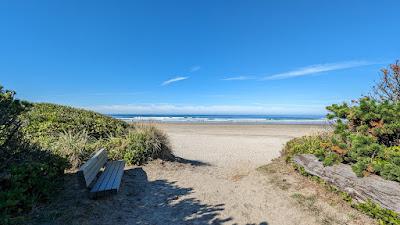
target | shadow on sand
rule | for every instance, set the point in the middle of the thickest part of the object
(190, 162)
(163, 202)
(139, 201)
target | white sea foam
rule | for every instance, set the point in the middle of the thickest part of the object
(216, 119)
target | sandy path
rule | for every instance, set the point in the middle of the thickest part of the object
(231, 181)
(217, 183)
(234, 152)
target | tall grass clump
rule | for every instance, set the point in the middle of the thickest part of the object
(73, 146)
(141, 144)
(138, 145)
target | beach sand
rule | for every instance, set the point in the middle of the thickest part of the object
(243, 147)
(224, 176)
(221, 178)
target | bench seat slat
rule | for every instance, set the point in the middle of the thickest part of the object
(111, 167)
(118, 177)
(103, 178)
(109, 183)
(110, 180)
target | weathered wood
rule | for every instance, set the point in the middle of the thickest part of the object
(88, 171)
(118, 177)
(109, 181)
(383, 192)
(103, 178)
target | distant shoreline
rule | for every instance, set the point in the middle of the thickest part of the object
(225, 119)
(325, 123)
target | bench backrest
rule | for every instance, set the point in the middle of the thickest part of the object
(88, 171)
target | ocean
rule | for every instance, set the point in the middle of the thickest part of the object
(225, 119)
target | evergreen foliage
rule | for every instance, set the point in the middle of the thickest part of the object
(368, 133)
(366, 136)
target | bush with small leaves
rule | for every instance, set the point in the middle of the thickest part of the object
(29, 174)
(139, 145)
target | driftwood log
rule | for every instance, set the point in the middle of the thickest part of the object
(383, 192)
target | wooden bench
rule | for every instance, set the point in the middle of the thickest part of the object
(101, 183)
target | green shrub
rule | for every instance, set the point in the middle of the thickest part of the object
(366, 136)
(137, 150)
(361, 166)
(368, 117)
(46, 121)
(391, 154)
(370, 137)
(139, 145)
(330, 158)
(10, 109)
(384, 216)
(29, 175)
(34, 178)
(316, 144)
(76, 134)
(386, 169)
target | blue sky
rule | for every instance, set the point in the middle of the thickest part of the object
(198, 57)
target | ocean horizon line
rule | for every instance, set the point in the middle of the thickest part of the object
(224, 119)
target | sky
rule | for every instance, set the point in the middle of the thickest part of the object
(196, 57)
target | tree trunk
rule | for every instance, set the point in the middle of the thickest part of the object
(383, 192)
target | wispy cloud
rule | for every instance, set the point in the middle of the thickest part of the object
(173, 80)
(195, 68)
(318, 68)
(238, 78)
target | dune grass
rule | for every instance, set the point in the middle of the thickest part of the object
(39, 141)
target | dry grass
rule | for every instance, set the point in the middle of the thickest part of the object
(73, 146)
(140, 144)
(157, 140)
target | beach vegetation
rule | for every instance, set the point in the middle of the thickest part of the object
(76, 134)
(366, 133)
(28, 174)
(39, 141)
(140, 144)
(366, 136)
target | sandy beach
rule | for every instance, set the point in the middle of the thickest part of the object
(230, 146)
(224, 175)
(221, 178)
